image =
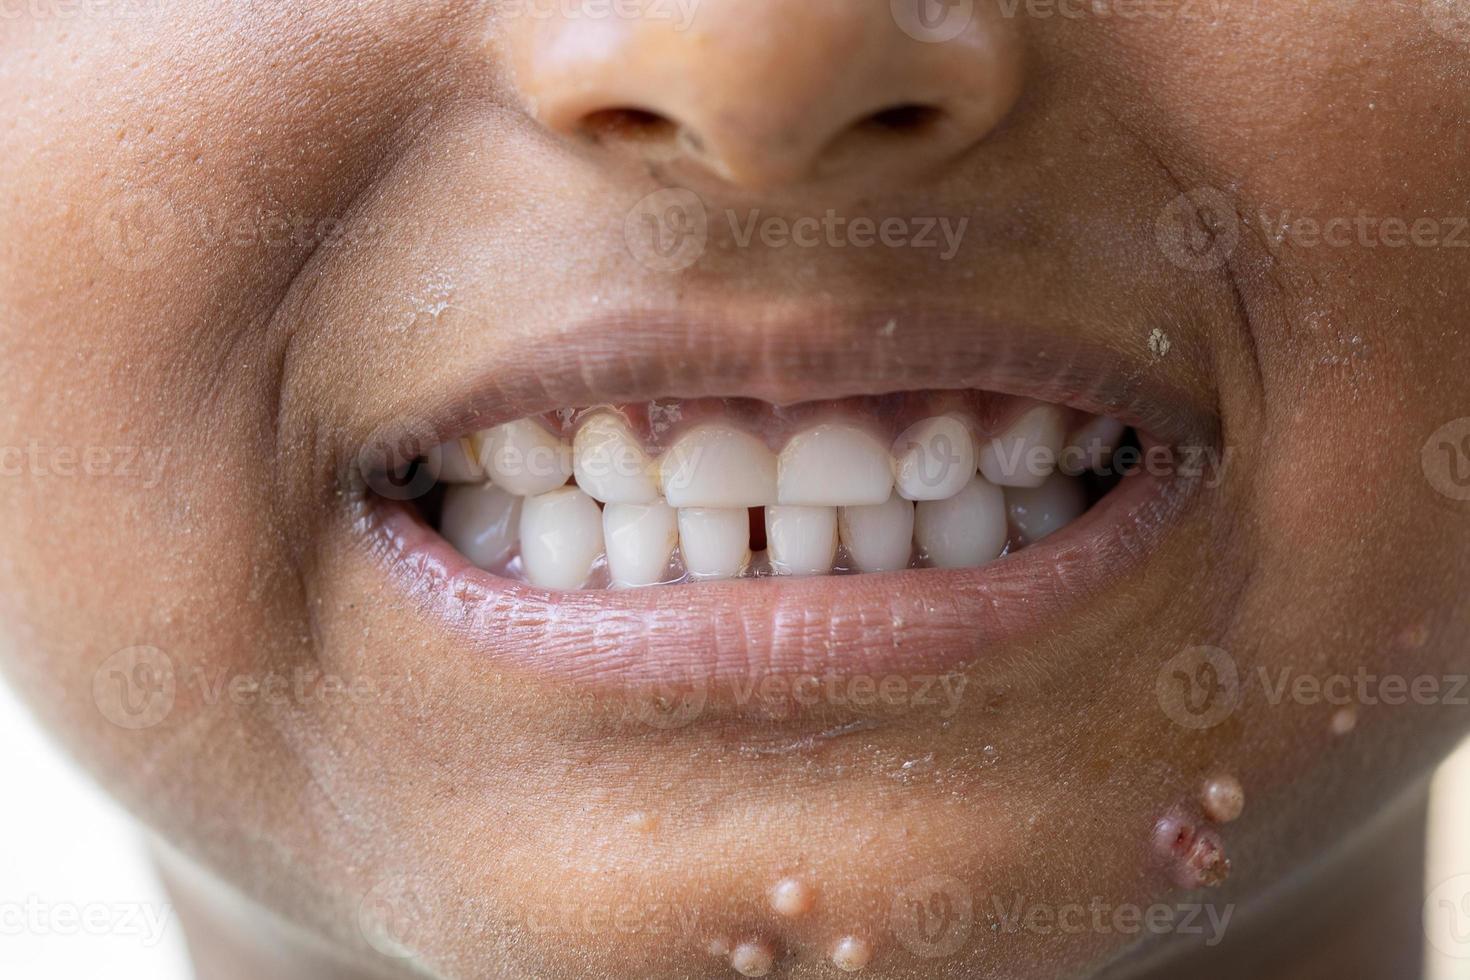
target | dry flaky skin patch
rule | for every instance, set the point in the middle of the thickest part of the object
(1208, 863)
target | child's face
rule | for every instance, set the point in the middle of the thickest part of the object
(244, 243)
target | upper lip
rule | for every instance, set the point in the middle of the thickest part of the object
(801, 355)
(906, 621)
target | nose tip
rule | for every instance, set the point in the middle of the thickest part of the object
(770, 92)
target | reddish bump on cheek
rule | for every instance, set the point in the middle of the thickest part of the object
(1414, 636)
(1196, 856)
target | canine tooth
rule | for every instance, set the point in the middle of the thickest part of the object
(934, 458)
(640, 540)
(610, 464)
(718, 466)
(1092, 445)
(482, 521)
(1036, 512)
(526, 459)
(715, 541)
(459, 462)
(967, 529)
(1025, 454)
(880, 537)
(561, 538)
(801, 540)
(833, 465)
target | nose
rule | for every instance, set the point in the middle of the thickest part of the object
(763, 93)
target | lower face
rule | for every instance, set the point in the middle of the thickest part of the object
(747, 668)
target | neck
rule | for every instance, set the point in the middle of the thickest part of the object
(232, 938)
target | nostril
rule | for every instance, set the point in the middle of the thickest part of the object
(627, 124)
(908, 118)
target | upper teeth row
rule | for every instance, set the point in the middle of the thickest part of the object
(832, 464)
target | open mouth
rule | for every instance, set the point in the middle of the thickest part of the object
(677, 491)
(675, 510)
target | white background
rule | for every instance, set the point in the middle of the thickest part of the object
(67, 850)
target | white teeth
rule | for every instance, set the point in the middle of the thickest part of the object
(458, 462)
(802, 540)
(834, 466)
(610, 464)
(834, 488)
(934, 459)
(1025, 453)
(965, 530)
(878, 538)
(525, 459)
(1036, 512)
(640, 540)
(718, 466)
(561, 538)
(482, 521)
(714, 541)
(1092, 445)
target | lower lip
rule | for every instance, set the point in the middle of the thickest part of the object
(900, 623)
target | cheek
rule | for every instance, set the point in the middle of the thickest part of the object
(1331, 132)
(1279, 98)
(1328, 131)
(141, 252)
(162, 544)
(1355, 516)
(1348, 637)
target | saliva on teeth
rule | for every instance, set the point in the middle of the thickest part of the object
(616, 498)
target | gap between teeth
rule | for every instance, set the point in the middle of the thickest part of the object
(601, 511)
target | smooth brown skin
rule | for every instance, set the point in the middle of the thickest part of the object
(263, 367)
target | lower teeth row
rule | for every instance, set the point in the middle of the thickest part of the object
(564, 540)
(696, 517)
